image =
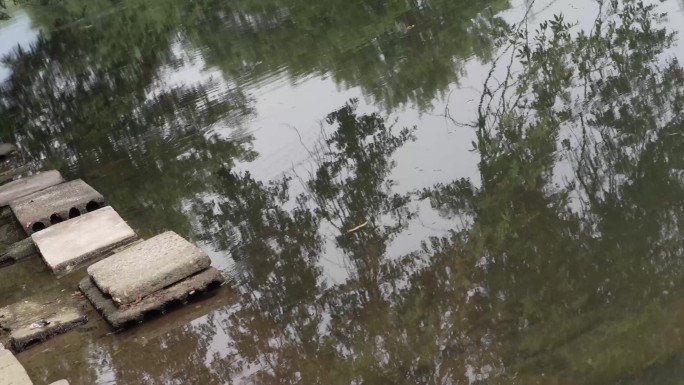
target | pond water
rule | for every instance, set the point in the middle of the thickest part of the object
(403, 192)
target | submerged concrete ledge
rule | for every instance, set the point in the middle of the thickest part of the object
(28, 185)
(72, 244)
(119, 316)
(38, 319)
(56, 204)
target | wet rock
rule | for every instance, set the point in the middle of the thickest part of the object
(18, 251)
(7, 149)
(28, 185)
(11, 371)
(141, 270)
(120, 316)
(56, 204)
(37, 320)
(75, 243)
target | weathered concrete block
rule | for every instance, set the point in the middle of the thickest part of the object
(11, 371)
(56, 204)
(72, 244)
(142, 269)
(119, 316)
(28, 185)
(34, 321)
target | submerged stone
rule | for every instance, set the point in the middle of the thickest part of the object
(11, 371)
(7, 149)
(18, 251)
(72, 244)
(28, 185)
(56, 204)
(119, 316)
(36, 320)
(142, 269)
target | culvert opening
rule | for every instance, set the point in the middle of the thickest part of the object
(74, 212)
(55, 219)
(92, 206)
(37, 227)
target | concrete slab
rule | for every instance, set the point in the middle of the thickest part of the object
(28, 185)
(120, 316)
(36, 320)
(11, 371)
(72, 244)
(61, 382)
(142, 269)
(56, 204)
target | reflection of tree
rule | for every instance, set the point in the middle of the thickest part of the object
(550, 283)
(280, 249)
(398, 51)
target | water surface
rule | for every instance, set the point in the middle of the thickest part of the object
(403, 192)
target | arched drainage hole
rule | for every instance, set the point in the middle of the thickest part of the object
(55, 219)
(92, 206)
(37, 227)
(74, 212)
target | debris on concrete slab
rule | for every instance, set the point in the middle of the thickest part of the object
(141, 270)
(70, 245)
(120, 316)
(28, 185)
(11, 371)
(56, 204)
(36, 320)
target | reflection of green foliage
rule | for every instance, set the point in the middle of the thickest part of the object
(399, 52)
(548, 283)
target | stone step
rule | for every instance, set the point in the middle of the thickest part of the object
(28, 185)
(121, 316)
(147, 267)
(56, 204)
(70, 245)
(11, 371)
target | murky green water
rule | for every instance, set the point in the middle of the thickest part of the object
(405, 192)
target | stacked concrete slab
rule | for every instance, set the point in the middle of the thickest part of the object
(146, 277)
